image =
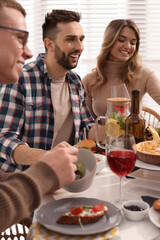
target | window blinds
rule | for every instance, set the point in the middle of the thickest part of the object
(96, 14)
(95, 17)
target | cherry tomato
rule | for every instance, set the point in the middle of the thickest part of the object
(94, 149)
(103, 153)
(76, 210)
(98, 208)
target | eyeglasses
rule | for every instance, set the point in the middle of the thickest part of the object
(25, 37)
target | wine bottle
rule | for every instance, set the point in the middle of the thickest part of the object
(135, 123)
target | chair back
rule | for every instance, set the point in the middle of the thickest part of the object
(151, 117)
(15, 232)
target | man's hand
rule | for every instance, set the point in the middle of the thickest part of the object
(62, 159)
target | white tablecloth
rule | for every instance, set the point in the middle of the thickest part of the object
(106, 187)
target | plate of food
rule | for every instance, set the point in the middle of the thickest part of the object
(149, 151)
(101, 162)
(154, 213)
(87, 215)
(90, 145)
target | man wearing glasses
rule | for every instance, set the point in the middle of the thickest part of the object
(12, 36)
(21, 35)
(21, 193)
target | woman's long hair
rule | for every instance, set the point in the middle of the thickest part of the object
(110, 36)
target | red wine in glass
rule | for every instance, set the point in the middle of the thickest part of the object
(121, 162)
(121, 156)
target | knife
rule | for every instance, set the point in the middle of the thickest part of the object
(148, 199)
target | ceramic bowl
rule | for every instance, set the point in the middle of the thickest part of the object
(85, 182)
(135, 215)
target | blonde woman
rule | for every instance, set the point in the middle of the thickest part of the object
(119, 62)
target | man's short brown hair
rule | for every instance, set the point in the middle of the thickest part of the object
(49, 27)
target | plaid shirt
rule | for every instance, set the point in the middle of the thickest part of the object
(27, 113)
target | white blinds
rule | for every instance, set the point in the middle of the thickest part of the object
(96, 14)
(95, 17)
(146, 13)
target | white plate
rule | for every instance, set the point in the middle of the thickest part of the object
(144, 165)
(48, 214)
(102, 163)
(154, 216)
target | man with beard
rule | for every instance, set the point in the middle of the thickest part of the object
(47, 106)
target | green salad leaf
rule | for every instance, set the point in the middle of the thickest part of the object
(80, 223)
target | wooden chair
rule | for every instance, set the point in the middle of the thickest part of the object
(18, 231)
(152, 117)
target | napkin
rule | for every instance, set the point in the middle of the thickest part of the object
(38, 232)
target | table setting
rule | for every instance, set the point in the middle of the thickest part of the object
(104, 188)
(116, 193)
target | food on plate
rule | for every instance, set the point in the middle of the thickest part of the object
(81, 170)
(156, 204)
(88, 144)
(101, 162)
(154, 133)
(83, 214)
(98, 160)
(151, 147)
(149, 152)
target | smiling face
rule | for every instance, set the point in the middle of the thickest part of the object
(12, 53)
(67, 47)
(125, 46)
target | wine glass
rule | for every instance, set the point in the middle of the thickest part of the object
(121, 157)
(119, 91)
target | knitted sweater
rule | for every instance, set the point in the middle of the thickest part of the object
(144, 80)
(21, 193)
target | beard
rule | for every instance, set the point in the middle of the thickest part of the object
(63, 59)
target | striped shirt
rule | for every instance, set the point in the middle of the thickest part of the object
(27, 113)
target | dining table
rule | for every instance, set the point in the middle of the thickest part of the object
(105, 187)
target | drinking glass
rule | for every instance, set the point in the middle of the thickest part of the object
(121, 157)
(119, 91)
(117, 111)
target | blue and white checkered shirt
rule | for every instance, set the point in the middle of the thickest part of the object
(27, 113)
